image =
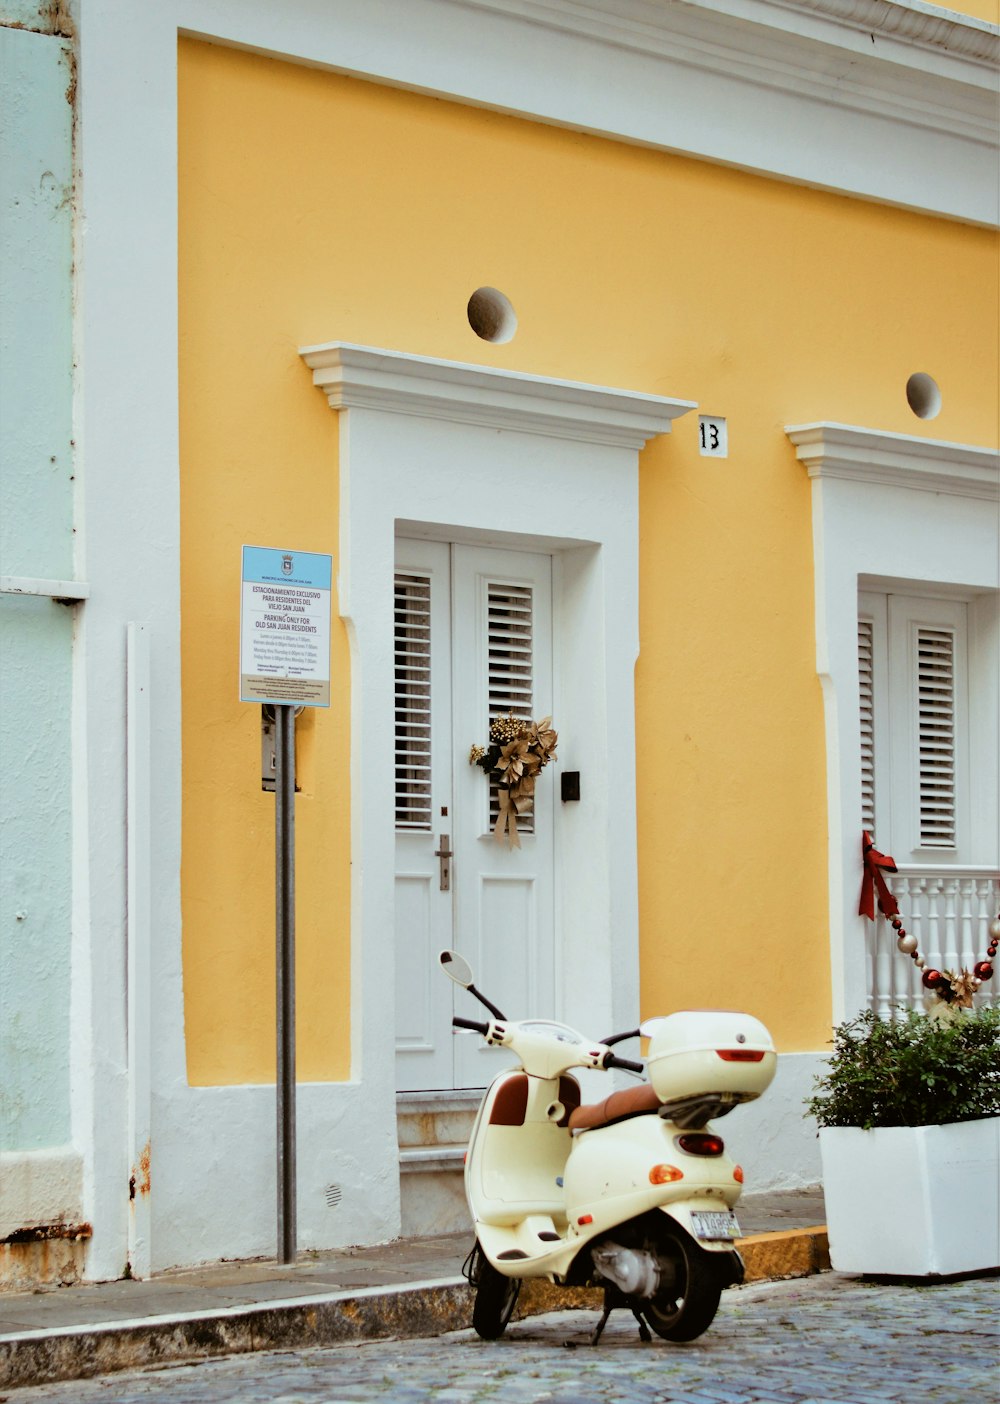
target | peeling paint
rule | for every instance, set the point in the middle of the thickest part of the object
(44, 1255)
(139, 1181)
(38, 1233)
(50, 17)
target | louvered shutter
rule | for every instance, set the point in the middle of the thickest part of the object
(935, 686)
(510, 682)
(914, 724)
(413, 700)
(866, 685)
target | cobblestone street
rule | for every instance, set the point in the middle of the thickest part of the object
(821, 1340)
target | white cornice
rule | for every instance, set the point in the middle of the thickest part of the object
(900, 31)
(889, 100)
(924, 26)
(896, 460)
(903, 61)
(366, 377)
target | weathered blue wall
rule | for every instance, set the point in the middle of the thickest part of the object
(36, 540)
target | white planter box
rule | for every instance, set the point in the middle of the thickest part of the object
(916, 1201)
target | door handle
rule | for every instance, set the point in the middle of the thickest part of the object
(444, 854)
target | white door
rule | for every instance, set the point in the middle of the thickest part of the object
(473, 640)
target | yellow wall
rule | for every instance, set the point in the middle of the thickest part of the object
(988, 10)
(316, 207)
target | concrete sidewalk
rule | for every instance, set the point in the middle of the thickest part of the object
(412, 1287)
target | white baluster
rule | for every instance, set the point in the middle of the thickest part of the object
(948, 913)
(933, 954)
(904, 966)
(918, 927)
(967, 923)
(915, 906)
(884, 953)
(871, 963)
(949, 934)
(988, 894)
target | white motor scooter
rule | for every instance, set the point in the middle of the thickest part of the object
(635, 1194)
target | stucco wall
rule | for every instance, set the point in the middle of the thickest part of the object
(768, 304)
(315, 206)
(36, 540)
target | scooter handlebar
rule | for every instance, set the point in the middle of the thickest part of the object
(612, 1061)
(472, 1024)
(542, 1051)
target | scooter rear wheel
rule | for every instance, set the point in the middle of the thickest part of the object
(496, 1297)
(687, 1308)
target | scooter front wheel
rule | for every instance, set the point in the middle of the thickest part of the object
(496, 1297)
(682, 1311)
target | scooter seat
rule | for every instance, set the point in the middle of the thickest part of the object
(633, 1101)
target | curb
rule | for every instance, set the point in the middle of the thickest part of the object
(418, 1309)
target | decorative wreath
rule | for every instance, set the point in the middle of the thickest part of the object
(518, 751)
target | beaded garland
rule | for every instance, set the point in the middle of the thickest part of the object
(954, 988)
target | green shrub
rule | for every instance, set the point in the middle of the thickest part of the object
(920, 1071)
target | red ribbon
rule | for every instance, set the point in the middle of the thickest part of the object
(875, 863)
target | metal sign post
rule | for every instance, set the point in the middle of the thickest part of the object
(284, 930)
(285, 661)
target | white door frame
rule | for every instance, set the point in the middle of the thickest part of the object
(466, 453)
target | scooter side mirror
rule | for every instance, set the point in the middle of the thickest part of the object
(457, 968)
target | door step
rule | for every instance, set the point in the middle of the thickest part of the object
(433, 1130)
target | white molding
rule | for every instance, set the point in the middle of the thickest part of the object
(40, 1187)
(139, 943)
(907, 35)
(869, 525)
(367, 377)
(60, 590)
(831, 450)
(919, 24)
(909, 62)
(419, 443)
(891, 102)
(418, 1160)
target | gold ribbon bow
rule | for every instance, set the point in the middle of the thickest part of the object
(518, 764)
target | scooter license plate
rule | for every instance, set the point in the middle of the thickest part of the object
(715, 1225)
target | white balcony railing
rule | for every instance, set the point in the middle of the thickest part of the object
(949, 911)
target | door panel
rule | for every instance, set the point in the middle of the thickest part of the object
(417, 1027)
(502, 644)
(422, 644)
(490, 651)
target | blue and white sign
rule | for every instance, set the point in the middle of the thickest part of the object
(285, 627)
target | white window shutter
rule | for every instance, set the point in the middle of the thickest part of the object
(928, 726)
(935, 687)
(866, 686)
(412, 632)
(509, 628)
(510, 681)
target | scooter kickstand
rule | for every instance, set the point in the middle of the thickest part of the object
(595, 1335)
(644, 1331)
